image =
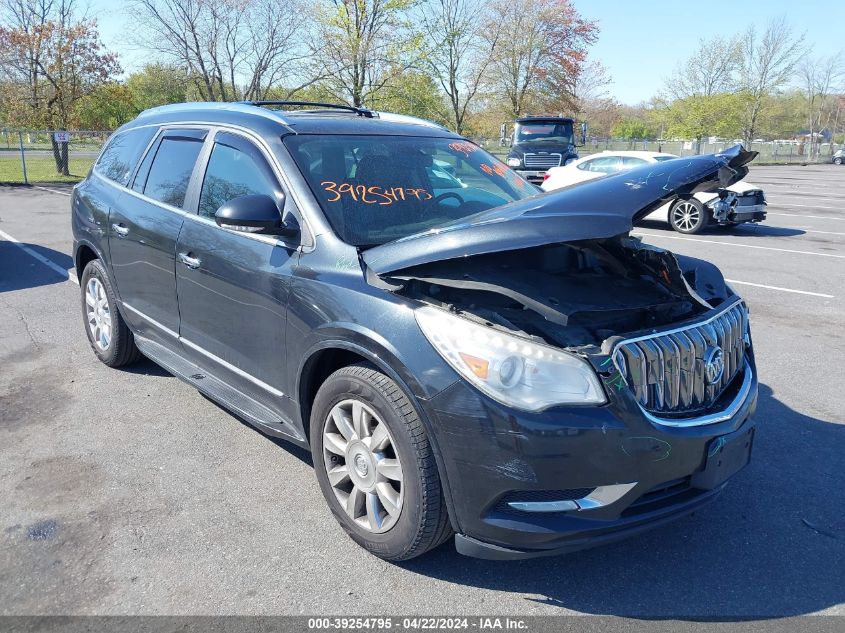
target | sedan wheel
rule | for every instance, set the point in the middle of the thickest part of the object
(688, 216)
(363, 466)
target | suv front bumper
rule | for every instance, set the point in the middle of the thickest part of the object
(497, 459)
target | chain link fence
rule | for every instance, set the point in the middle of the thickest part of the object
(38, 156)
(771, 152)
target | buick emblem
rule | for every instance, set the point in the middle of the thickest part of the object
(714, 365)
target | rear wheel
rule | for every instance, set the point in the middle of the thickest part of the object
(375, 464)
(107, 332)
(688, 216)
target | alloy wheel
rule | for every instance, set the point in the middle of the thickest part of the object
(363, 466)
(98, 313)
(686, 216)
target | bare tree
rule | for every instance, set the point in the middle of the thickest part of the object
(362, 45)
(712, 68)
(820, 77)
(539, 43)
(455, 53)
(768, 63)
(235, 49)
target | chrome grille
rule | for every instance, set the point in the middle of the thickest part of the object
(666, 371)
(541, 161)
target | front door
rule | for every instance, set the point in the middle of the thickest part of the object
(143, 228)
(233, 287)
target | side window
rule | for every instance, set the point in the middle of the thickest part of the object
(171, 169)
(606, 165)
(587, 165)
(122, 153)
(631, 161)
(235, 168)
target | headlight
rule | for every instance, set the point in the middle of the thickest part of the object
(510, 369)
(514, 162)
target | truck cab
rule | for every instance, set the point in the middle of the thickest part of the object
(540, 143)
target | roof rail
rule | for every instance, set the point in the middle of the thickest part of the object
(334, 106)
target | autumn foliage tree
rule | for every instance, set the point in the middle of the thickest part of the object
(50, 62)
(541, 47)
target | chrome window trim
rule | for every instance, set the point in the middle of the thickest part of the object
(240, 372)
(275, 166)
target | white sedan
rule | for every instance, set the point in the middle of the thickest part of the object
(743, 203)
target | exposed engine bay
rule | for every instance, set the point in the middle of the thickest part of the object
(573, 294)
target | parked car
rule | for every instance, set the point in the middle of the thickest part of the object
(838, 157)
(460, 355)
(741, 202)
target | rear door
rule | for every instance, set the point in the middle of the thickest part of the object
(233, 287)
(143, 228)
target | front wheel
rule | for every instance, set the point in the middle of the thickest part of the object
(375, 465)
(688, 216)
(837, 161)
(107, 332)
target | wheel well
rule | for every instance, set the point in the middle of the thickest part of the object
(84, 255)
(319, 367)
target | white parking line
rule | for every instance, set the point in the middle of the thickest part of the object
(50, 264)
(61, 193)
(763, 248)
(800, 292)
(801, 215)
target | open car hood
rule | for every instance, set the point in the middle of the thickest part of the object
(596, 209)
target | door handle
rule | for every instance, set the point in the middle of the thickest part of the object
(121, 229)
(189, 260)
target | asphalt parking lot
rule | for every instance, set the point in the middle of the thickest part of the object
(128, 492)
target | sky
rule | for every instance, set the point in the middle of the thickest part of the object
(640, 43)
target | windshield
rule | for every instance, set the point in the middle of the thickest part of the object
(557, 131)
(660, 159)
(375, 189)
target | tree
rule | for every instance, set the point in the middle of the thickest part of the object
(633, 129)
(540, 47)
(699, 116)
(712, 68)
(158, 84)
(455, 53)
(105, 108)
(232, 49)
(414, 93)
(768, 63)
(819, 78)
(362, 45)
(54, 60)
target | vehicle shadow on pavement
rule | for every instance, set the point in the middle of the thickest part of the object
(745, 230)
(20, 270)
(772, 545)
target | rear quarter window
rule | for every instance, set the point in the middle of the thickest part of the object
(122, 153)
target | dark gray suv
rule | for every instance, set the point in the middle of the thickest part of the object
(461, 354)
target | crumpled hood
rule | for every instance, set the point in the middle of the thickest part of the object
(596, 209)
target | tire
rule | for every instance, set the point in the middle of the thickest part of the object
(837, 161)
(347, 437)
(107, 332)
(688, 216)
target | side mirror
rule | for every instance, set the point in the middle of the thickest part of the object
(256, 213)
(583, 133)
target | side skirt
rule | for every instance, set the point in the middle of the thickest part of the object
(252, 411)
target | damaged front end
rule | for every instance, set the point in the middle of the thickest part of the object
(567, 278)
